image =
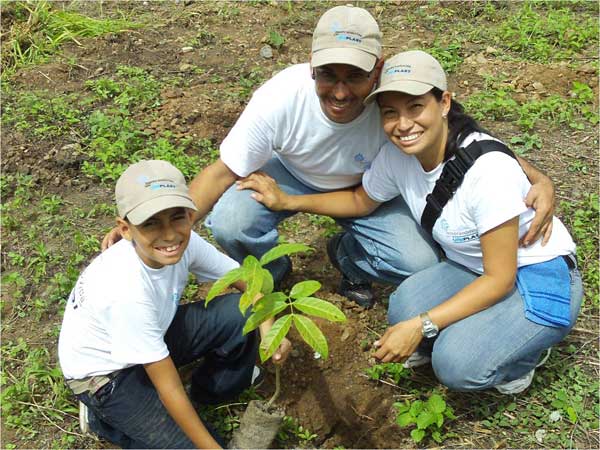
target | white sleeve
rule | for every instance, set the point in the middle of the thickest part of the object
(136, 335)
(250, 143)
(206, 262)
(380, 180)
(497, 187)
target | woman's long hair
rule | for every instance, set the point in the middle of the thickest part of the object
(460, 124)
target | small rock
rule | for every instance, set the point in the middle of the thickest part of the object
(414, 43)
(481, 59)
(99, 70)
(139, 42)
(56, 181)
(316, 355)
(346, 334)
(538, 86)
(587, 68)
(540, 435)
(174, 121)
(266, 52)
(555, 416)
(491, 50)
(187, 49)
(294, 60)
(185, 67)
(465, 83)
(74, 147)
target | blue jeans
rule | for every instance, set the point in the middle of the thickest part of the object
(493, 346)
(387, 245)
(128, 412)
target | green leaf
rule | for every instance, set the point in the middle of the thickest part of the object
(416, 407)
(254, 282)
(282, 250)
(320, 308)
(224, 282)
(265, 308)
(274, 337)
(405, 419)
(436, 403)
(311, 335)
(439, 419)
(305, 288)
(417, 435)
(572, 414)
(425, 419)
(267, 284)
(436, 436)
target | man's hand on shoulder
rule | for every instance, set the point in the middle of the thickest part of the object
(266, 190)
(111, 238)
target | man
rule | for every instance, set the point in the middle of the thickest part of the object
(308, 129)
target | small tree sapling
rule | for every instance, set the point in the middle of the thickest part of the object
(297, 305)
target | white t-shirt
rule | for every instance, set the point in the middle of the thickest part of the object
(284, 117)
(492, 192)
(120, 309)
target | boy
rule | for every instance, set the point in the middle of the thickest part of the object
(124, 335)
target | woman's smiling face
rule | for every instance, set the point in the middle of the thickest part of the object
(416, 124)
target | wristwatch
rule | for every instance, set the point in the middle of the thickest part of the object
(429, 329)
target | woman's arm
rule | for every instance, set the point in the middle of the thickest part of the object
(499, 247)
(165, 379)
(541, 198)
(353, 202)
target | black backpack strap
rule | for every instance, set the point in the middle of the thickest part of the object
(452, 176)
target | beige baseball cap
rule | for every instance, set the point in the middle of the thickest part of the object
(414, 72)
(149, 187)
(346, 35)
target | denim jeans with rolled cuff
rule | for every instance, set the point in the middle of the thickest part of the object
(493, 346)
(128, 412)
(385, 246)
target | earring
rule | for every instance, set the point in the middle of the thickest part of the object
(445, 116)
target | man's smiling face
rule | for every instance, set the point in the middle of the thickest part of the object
(341, 89)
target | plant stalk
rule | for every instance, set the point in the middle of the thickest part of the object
(277, 386)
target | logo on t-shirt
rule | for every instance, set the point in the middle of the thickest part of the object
(360, 159)
(459, 236)
(175, 296)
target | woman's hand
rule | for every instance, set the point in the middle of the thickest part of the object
(266, 190)
(282, 352)
(399, 341)
(541, 198)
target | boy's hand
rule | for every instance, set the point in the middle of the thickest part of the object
(111, 238)
(282, 352)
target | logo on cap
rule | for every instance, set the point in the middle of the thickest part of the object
(399, 69)
(346, 36)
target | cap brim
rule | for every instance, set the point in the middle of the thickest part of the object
(143, 212)
(406, 86)
(340, 55)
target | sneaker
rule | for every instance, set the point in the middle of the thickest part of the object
(359, 293)
(520, 384)
(416, 360)
(84, 423)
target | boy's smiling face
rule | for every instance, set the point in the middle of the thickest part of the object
(160, 240)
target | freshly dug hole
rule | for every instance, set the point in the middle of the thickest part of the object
(258, 426)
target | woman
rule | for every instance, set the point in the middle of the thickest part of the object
(484, 316)
(480, 333)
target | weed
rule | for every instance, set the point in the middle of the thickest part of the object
(557, 33)
(429, 417)
(328, 224)
(41, 29)
(275, 39)
(448, 54)
(525, 143)
(582, 219)
(394, 371)
(291, 430)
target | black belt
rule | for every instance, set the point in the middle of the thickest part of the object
(570, 261)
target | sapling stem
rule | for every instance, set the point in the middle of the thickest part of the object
(277, 385)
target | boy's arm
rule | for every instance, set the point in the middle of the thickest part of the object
(165, 378)
(541, 198)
